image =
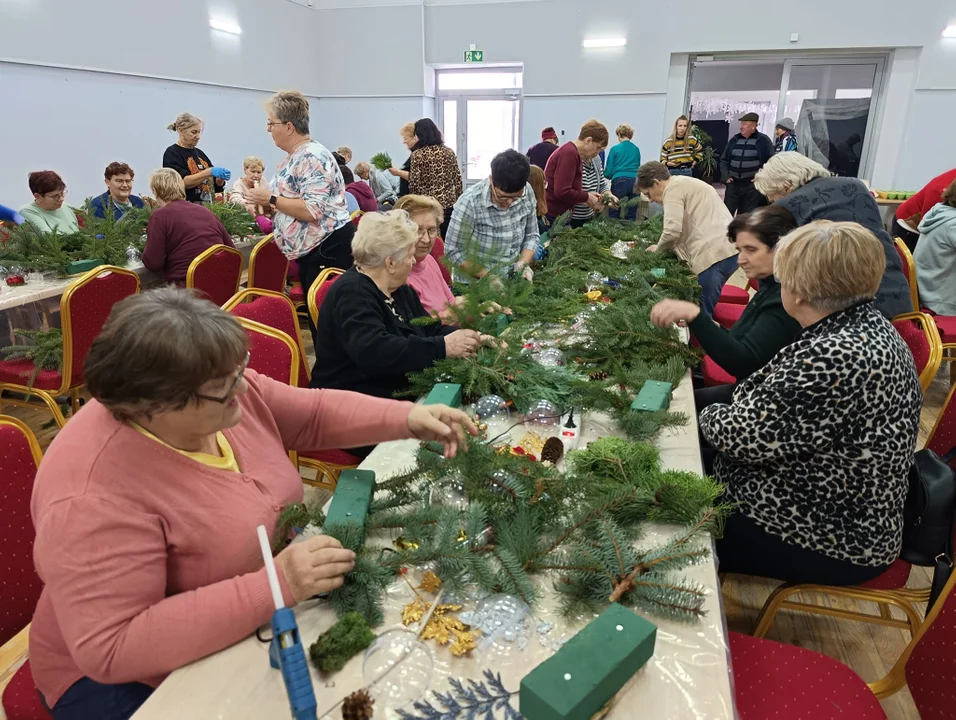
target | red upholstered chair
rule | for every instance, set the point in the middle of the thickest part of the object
(293, 271)
(921, 336)
(268, 267)
(84, 307)
(276, 311)
(272, 352)
(909, 271)
(216, 272)
(714, 374)
(320, 289)
(733, 294)
(773, 680)
(19, 584)
(726, 314)
(438, 252)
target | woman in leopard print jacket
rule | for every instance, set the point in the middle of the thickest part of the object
(815, 447)
(434, 170)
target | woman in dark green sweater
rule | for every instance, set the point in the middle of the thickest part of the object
(764, 327)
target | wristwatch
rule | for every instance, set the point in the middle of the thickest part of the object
(273, 200)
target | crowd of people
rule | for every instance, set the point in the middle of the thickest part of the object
(813, 438)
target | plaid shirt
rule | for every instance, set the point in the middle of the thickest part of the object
(495, 236)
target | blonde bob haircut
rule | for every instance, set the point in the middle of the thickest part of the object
(419, 204)
(785, 172)
(830, 265)
(384, 235)
(595, 130)
(167, 185)
(408, 130)
(624, 131)
(253, 162)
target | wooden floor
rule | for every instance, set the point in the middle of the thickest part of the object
(869, 649)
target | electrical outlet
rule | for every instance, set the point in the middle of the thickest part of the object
(794, 37)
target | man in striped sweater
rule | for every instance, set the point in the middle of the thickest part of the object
(744, 155)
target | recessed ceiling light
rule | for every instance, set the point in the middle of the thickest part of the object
(950, 31)
(225, 26)
(604, 42)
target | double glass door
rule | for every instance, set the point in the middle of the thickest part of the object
(478, 128)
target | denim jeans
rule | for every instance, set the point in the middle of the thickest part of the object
(712, 282)
(86, 699)
(686, 172)
(623, 189)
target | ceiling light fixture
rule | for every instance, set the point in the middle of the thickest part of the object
(603, 42)
(225, 26)
(950, 31)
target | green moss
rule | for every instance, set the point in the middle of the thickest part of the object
(337, 645)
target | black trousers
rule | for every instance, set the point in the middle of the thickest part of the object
(335, 251)
(443, 228)
(742, 197)
(747, 549)
(717, 395)
(905, 235)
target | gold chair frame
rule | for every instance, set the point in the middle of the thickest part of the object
(319, 281)
(203, 256)
(250, 279)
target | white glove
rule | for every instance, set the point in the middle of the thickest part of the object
(526, 272)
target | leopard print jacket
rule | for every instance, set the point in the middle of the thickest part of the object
(816, 446)
(434, 172)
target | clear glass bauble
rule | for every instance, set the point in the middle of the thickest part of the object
(449, 491)
(551, 357)
(491, 408)
(397, 669)
(543, 414)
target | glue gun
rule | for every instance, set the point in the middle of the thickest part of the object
(286, 652)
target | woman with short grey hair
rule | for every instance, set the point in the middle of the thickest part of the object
(367, 339)
(147, 502)
(811, 192)
(307, 193)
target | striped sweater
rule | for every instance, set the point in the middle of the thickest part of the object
(681, 153)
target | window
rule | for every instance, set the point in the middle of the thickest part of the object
(472, 80)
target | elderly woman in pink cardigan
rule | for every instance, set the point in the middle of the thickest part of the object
(147, 502)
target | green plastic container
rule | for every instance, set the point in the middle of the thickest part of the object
(77, 267)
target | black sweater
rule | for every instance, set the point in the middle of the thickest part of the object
(366, 344)
(762, 330)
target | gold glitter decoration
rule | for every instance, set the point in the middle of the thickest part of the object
(462, 535)
(402, 544)
(442, 627)
(414, 611)
(532, 443)
(593, 295)
(430, 582)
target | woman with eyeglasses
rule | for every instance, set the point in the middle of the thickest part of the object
(147, 503)
(48, 212)
(203, 179)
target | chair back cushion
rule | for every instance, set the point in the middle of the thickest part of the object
(318, 291)
(272, 353)
(931, 667)
(920, 335)
(84, 308)
(268, 267)
(916, 341)
(216, 273)
(20, 585)
(438, 252)
(278, 312)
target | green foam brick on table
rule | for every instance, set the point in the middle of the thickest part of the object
(658, 272)
(444, 394)
(589, 669)
(502, 322)
(654, 395)
(81, 266)
(351, 498)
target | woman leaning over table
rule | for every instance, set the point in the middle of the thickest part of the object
(815, 447)
(367, 339)
(764, 327)
(307, 194)
(146, 505)
(47, 212)
(203, 179)
(434, 169)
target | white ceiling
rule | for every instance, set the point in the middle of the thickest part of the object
(343, 4)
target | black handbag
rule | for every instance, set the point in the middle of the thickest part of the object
(928, 517)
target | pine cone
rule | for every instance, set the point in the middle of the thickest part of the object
(358, 706)
(553, 450)
(598, 375)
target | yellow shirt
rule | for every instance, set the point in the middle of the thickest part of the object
(225, 461)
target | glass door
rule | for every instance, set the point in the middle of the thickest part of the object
(491, 127)
(833, 103)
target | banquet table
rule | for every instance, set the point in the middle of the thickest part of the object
(688, 676)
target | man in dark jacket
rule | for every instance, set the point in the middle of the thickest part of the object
(744, 155)
(539, 154)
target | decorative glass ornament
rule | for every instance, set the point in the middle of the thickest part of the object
(449, 491)
(132, 255)
(505, 624)
(397, 669)
(500, 481)
(543, 413)
(492, 408)
(550, 357)
(4, 271)
(595, 280)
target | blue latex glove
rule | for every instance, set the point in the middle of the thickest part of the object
(220, 173)
(10, 215)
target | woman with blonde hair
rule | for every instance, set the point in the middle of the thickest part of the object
(367, 338)
(623, 160)
(253, 168)
(815, 447)
(428, 277)
(681, 151)
(202, 178)
(811, 192)
(410, 141)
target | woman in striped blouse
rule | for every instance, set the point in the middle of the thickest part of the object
(681, 151)
(592, 180)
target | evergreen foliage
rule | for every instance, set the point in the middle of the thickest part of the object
(44, 349)
(235, 218)
(381, 161)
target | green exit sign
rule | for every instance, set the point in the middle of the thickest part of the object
(474, 56)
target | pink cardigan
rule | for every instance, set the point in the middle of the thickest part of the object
(150, 559)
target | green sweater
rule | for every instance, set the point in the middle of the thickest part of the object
(762, 330)
(623, 161)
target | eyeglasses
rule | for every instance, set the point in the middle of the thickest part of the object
(432, 233)
(270, 123)
(56, 195)
(506, 198)
(122, 182)
(232, 388)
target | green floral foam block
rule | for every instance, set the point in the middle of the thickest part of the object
(654, 395)
(351, 499)
(444, 394)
